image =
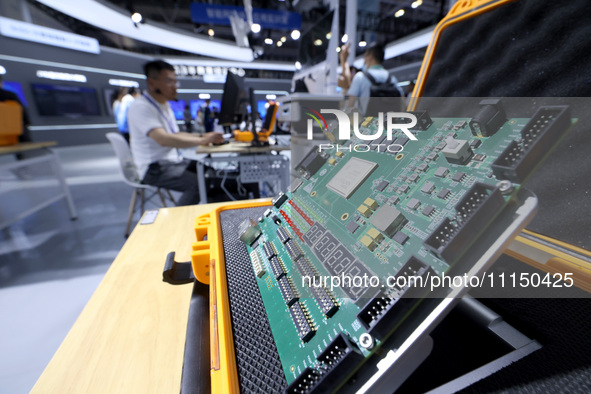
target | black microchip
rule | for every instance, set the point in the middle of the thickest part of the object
(460, 125)
(269, 250)
(382, 186)
(458, 176)
(443, 193)
(428, 187)
(475, 144)
(300, 320)
(440, 146)
(413, 203)
(422, 167)
(278, 201)
(401, 141)
(479, 157)
(304, 268)
(293, 249)
(324, 300)
(375, 144)
(400, 238)
(290, 295)
(283, 234)
(312, 162)
(352, 226)
(428, 211)
(276, 267)
(441, 172)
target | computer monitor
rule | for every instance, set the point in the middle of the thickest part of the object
(234, 100)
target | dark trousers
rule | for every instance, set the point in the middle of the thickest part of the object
(180, 177)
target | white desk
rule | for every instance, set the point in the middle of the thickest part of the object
(7, 218)
(257, 164)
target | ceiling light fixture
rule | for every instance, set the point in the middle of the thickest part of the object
(269, 41)
(279, 43)
(136, 17)
(204, 96)
(298, 65)
(2, 70)
(345, 38)
(255, 28)
(399, 13)
(210, 32)
(318, 42)
(283, 39)
(416, 3)
(295, 34)
(362, 42)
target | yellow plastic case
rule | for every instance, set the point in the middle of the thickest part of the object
(207, 259)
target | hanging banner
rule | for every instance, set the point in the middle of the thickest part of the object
(213, 14)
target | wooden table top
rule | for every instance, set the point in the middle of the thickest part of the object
(241, 147)
(130, 337)
(24, 146)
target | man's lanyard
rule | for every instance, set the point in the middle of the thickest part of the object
(170, 125)
(166, 118)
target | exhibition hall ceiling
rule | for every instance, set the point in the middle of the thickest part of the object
(382, 20)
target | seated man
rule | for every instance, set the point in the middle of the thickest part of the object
(155, 136)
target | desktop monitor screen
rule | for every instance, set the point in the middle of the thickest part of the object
(16, 88)
(234, 100)
(62, 100)
(178, 107)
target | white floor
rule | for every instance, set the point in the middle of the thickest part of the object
(50, 265)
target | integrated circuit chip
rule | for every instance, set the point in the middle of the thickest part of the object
(351, 176)
(400, 238)
(413, 203)
(382, 186)
(441, 172)
(388, 220)
(443, 193)
(458, 176)
(352, 226)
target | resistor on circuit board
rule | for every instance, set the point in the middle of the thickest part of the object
(302, 214)
(291, 224)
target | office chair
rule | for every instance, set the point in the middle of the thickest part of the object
(132, 178)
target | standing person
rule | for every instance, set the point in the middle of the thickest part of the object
(188, 119)
(206, 116)
(123, 108)
(361, 85)
(155, 136)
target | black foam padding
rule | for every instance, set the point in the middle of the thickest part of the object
(257, 359)
(530, 48)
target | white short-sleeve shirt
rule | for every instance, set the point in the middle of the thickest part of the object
(361, 86)
(146, 114)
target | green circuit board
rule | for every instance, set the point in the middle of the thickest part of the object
(381, 210)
